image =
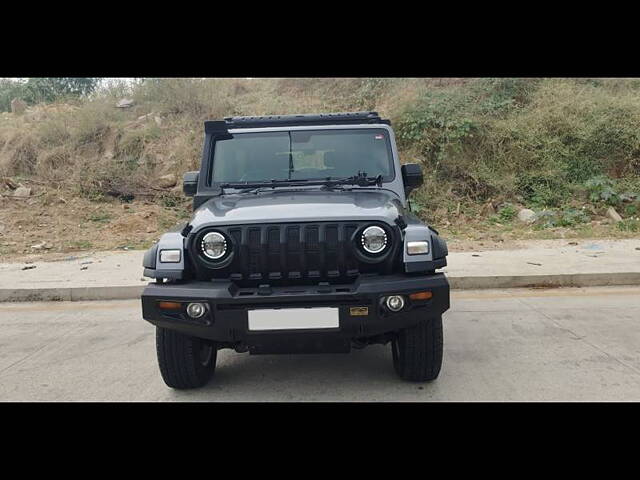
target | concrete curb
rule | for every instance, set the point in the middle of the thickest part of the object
(127, 292)
(545, 280)
(74, 294)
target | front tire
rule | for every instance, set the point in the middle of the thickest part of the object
(184, 361)
(417, 351)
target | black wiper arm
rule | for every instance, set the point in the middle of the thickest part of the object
(267, 184)
(361, 180)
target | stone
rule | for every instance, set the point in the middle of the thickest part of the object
(125, 103)
(167, 181)
(18, 106)
(526, 215)
(22, 192)
(613, 215)
(10, 183)
(143, 118)
(158, 120)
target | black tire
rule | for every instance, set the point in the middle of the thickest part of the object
(417, 351)
(184, 361)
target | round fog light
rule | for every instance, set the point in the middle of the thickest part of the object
(196, 310)
(395, 303)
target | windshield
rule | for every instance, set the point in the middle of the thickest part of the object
(302, 154)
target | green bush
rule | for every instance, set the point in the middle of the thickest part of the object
(44, 89)
(604, 190)
(569, 217)
(507, 213)
(542, 189)
(629, 225)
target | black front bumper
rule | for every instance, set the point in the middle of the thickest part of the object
(227, 321)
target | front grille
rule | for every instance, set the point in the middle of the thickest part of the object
(292, 253)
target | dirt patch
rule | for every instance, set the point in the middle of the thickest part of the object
(53, 224)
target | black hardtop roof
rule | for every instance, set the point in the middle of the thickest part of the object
(342, 118)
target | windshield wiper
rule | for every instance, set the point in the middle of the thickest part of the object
(361, 180)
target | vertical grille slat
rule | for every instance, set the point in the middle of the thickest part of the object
(282, 240)
(303, 252)
(254, 246)
(332, 247)
(322, 256)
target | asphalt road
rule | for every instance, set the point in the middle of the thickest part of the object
(557, 344)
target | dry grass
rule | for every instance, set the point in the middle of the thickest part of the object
(97, 155)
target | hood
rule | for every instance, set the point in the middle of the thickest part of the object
(299, 206)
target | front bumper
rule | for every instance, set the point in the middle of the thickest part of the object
(226, 320)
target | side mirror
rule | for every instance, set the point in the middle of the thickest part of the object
(190, 183)
(411, 176)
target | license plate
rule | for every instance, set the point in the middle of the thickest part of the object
(293, 319)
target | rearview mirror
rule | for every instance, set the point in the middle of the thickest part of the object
(411, 176)
(190, 183)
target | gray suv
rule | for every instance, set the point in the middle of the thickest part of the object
(302, 240)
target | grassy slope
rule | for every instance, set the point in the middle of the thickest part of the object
(487, 147)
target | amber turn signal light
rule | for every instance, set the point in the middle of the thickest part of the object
(170, 305)
(421, 296)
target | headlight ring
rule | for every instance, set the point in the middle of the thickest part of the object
(374, 240)
(214, 246)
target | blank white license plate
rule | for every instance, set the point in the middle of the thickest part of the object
(293, 318)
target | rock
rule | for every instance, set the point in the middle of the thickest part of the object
(151, 230)
(167, 181)
(158, 120)
(143, 118)
(125, 206)
(18, 106)
(10, 183)
(526, 216)
(613, 215)
(85, 267)
(38, 246)
(28, 267)
(22, 192)
(125, 103)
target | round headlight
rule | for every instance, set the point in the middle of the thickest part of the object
(196, 310)
(374, 239)
(214, 245)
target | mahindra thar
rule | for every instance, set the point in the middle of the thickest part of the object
(302, 240)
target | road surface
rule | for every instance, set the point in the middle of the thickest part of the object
(500, 345)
